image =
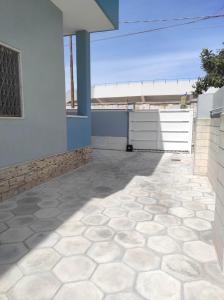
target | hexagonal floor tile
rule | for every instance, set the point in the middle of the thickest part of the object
(156, 209)
(197, 224)
(123, 296)
(163, 244)
(157, 285)
(103, 189)
(114, 277)
(130, 239)
(69, 207)
(5, 216)
(110, 202)
(140, 216)
(214, 272)
(200, 251)
(181, 267)
(48, 203)
(42, 225)
(169, 203)
(150, 228)
(23, 210)
(79, 291)
(121, 223)
(40, 286)
(182, 233)
(67, 216)
(71, 229)
(96, 220)
(141, 259)
(74, 268)
(207, 236)
(167, 220)
(206, 215)
(42, 240)
(46, 213)
(181, 212)
(138, 192)
(194, 205)
(11, 253)
(29, 200)
(146, 200)
(39, 260)
(125, 197)
(14, 235)
(9, 276)
(72, 246)
(101, 233)
(8, 205)
(104, 252)
(202, 290)
(115, 212)
(132, 205)
(21, 221)
(91, 209)
(3, 227)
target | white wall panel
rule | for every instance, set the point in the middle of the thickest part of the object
(161, 130)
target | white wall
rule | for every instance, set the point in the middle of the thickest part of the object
(218, 229)
(213, 142)
(205, 105)
(168, 130)
(213, 151)
(219, 99)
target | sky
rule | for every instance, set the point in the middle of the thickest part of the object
(168, 54)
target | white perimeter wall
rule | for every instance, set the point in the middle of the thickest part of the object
(168, 130)
(212, 142)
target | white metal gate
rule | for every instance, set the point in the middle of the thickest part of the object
(167, 130)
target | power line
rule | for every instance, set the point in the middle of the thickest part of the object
(162, 28)
(196, 28)
(220, 9)
(168, 20)
(158, 29)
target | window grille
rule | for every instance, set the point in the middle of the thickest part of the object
(10, 93)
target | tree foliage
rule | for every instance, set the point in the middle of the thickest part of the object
(213, 64)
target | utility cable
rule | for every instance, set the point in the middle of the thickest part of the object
(157, 29)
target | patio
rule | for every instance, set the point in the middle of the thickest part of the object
(127, 226)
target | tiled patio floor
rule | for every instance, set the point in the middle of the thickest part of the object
(128, 226)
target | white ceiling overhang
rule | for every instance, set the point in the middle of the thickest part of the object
(82, 15)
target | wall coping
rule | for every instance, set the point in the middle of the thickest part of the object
(77, 117)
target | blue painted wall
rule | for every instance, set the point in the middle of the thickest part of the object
(111, 9)
(35, 28)
(78, 132)
(83, 73)
(110, 123)
(79, 127)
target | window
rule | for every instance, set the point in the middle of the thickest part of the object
(10, 89)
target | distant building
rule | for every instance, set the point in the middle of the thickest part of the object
(142, 95)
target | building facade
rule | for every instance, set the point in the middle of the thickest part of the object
(37, 140)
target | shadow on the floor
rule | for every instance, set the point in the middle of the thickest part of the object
(108, 173)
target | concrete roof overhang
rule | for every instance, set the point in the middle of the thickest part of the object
(83, 15)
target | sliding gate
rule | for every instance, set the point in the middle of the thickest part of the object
(165, 130)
